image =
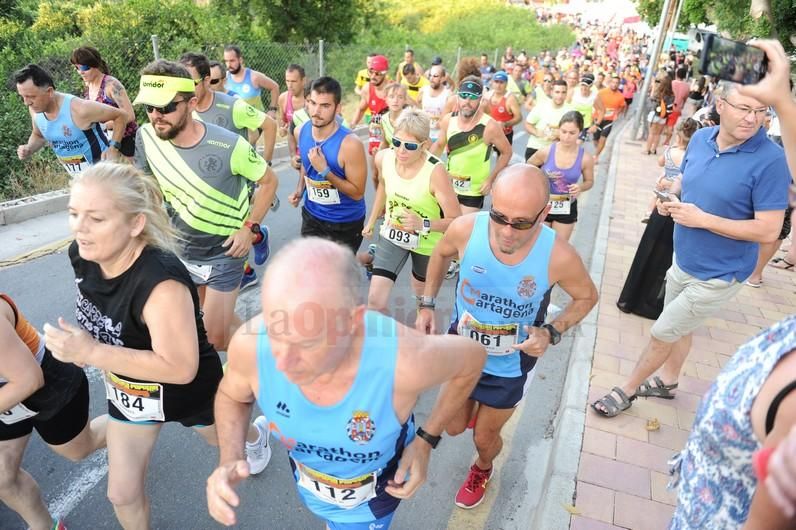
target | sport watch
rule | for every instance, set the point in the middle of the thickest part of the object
(426, 226)
(555, 336)
(432, 440)
(426, 302)
(254, 227)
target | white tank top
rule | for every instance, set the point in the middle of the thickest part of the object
(434, 106)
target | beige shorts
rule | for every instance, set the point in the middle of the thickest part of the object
(690, 301)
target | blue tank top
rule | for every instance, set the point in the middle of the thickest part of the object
(245, 88)
(341, 452)
(321, 199)
(494, 301)
(561, 178)
(76, 149)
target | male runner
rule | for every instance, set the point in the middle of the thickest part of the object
(509, 263)
(204, 173)
(432, 98)
(542, 121)
(469, 135)
(363, 76)
(374, 100)
(409, 58)
(504, 108)
(487, 70)
(290, 101)
(248, 83)
(615, 106)
(339, 393)
(71, 125)
(335, 170)
(413, 81)
(218, 78)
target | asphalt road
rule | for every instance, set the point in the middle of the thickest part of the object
(44, 289)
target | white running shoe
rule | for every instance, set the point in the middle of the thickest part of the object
(453, 270)
(258, 454)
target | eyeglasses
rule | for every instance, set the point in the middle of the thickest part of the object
(197, 81)
(168, 109)
(548, 80)
(501, 219)
(82, 67)
(215, 81)
(469, 95)
(746, 111)
(409, 146)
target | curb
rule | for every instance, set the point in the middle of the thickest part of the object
(562, 470)
(25, 208)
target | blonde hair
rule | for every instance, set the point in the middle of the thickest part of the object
(135, 193)
(415, 122)
(392, 87)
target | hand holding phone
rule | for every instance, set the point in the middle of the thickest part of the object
(732, 60)
(664, 196)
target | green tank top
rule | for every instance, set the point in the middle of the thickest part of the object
(411, 194)
(388, 127)
(468, 156)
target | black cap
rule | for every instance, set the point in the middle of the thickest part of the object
(436, 60)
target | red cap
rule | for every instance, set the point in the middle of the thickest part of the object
(379, 63)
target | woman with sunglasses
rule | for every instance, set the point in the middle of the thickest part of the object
(564, 162)
(420, 204)
(103, 87)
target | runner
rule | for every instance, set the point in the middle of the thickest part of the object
(38, 392)
(59, 119)
(487, 70)
(504, 108)
(363, 76)
(420, 204)
(139, 322)
(563, 163)
(247, 83)
(585, 101)
(615, 106)
(204, 173)
(373, 100)
(542, 121)
(342, 406)
(540, 93)
(510, 261)
(397, 101)
(413, 82)
(290, 101)
(334, 170)
(469, 135)
(104, 88)
(409, 58)
(432, 98)
(466, 67)
(218, 78)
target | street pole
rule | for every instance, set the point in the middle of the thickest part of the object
(677, 17)
(651, 66)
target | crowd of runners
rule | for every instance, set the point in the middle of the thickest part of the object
(166, 215)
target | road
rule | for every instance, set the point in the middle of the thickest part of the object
(44, 289)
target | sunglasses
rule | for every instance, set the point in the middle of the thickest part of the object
(469, 95)
(376, 72)
(409, 146)
(501, 220)
(197, 81)
(215, 81)
(82, 67)
(168, 109)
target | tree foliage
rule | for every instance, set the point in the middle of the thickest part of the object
(303, 21)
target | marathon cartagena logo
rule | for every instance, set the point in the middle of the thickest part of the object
(501, 306)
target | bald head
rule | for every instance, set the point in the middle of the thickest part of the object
(518, 185)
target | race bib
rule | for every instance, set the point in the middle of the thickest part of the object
(609, 113)
(403, 238)
(560, 204)
(16, 414)
(137, 401)
(322, 192)
(461, 183)
(74, 165)
(200, 271)
(498, 339)
(375, 131)
(343, 493)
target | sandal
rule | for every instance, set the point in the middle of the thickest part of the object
(656, 389)
(776, 263)
(612, 407)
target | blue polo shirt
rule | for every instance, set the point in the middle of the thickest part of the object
(734, 184)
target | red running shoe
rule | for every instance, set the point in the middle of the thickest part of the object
(472, 491)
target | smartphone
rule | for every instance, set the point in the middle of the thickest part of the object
(732, 60)
(664, 196)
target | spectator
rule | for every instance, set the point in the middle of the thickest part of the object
(662, 107)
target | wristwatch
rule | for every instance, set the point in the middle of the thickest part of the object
(431, 439)
(555, 336)
(325, 172)
(426, 302)
(116, 145)
(254, 227)
(426, 226)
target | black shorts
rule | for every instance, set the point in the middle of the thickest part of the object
(128, 146)
(786, 225)
(604, 129)
(529, 152)
(390, 259)
(348, 234)
(568, 219)
(472, 201)
(190, 405)
(62, 405)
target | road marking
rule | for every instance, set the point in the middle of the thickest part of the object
(96, 467)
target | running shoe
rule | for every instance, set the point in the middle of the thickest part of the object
(453, 270)
(262, 249)
(472, 491)
(369, 266)
(58, 524)
(275, 204)
(249, 280)
(258, 454)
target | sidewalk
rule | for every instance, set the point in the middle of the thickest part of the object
(622, 476)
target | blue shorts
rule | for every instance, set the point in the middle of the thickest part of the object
(382, 523)
(501, 392)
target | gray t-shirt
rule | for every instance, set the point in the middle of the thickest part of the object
(232, 113)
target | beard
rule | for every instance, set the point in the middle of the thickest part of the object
(236, 70)
(177, 128)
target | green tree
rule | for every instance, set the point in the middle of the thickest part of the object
(303, 21)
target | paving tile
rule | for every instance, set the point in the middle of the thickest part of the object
(633, 339)
(659, 491)
(606, 363)
(708, 373)
(642, 454)
(686, 401)
(731, 337)
(595, 502)
(671, 438)
(584, 523)
(599, 442)
(624, 425)
(608, 334)
(685, 419)
(641, 514)
(606, 379)
(694, 385)
(614, 475)
(654, 408)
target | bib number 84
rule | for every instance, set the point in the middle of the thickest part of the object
(127, 401)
